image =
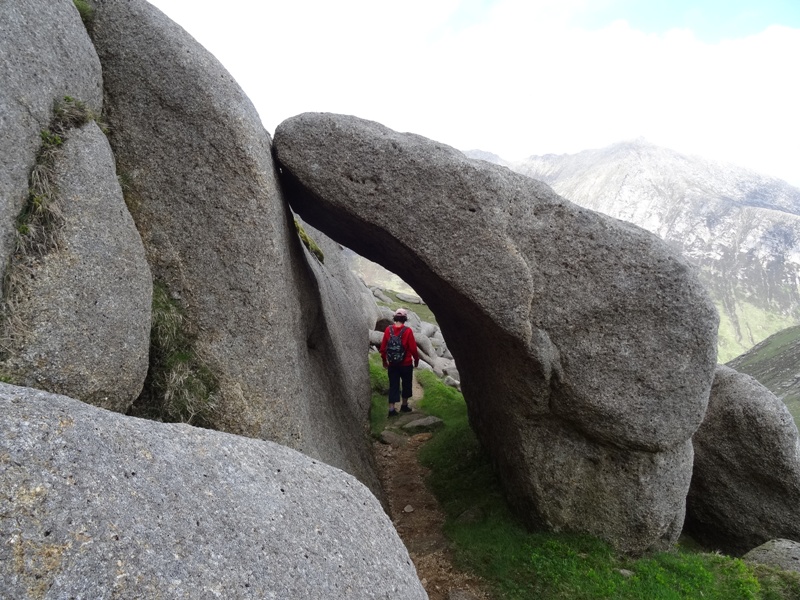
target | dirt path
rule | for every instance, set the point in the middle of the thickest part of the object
(415, 512)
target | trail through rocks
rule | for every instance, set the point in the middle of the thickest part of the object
(416, 513)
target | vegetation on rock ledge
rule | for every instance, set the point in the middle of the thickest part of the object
(179, 387)
(308, 242)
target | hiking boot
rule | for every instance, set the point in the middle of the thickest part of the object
(393, 413)
(405, 408)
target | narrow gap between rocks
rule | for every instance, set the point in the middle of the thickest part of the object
(415, 511)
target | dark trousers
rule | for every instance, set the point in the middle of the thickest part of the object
(398, 374)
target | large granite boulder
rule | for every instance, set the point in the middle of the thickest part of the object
(98, 505)
(781, 554)
(219, 237)
(45, 54)
(746, 482)
(586, 346)
(79, 316)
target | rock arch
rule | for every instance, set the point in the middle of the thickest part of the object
(586, 346)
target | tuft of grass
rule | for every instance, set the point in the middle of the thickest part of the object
(379, 382)
(519, 564)
(39, 224)
(40, 221)
(179, 387)
(86, 12)
(308, 242)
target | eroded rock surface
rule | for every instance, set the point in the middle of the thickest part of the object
(219, 236)
(98, 505)
(586, 347)
(80, 314)
(746, 482)
(45, 54)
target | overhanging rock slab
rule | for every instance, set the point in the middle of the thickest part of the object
(573, 332)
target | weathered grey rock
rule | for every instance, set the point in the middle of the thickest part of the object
(428, 329)
(378, 293)
(347, 315)
(424, 344)
(81, 314)
(375, 338)
(390, 438)
(590, 335)
(409, 298)
(782, 554)
(97, 505)
(429, 423)
(746, 482)
(219, 236)
(452, 371)
(452, 382)
(45, 54)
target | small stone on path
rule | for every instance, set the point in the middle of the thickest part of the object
(408, 508)
(424, 424)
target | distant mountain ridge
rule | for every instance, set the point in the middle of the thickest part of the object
(741, 229)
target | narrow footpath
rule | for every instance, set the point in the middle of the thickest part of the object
(415, 512)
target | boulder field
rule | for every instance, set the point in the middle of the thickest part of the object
(586, 346)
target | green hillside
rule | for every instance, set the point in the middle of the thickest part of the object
(775, 363)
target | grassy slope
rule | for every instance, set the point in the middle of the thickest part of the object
(422, 310)
(519, 564)
(761, 324)
(775, 363)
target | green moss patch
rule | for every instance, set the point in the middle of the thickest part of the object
(308, 242)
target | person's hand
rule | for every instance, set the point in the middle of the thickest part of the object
(416, 363)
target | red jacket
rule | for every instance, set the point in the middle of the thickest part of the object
(408, 341)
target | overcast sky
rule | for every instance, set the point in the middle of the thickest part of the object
(717, 78)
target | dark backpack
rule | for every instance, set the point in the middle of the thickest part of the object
(395, 352)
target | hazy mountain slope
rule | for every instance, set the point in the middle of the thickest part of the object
(742, 229)
(775, 363)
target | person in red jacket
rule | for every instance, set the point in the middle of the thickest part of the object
(400, 356)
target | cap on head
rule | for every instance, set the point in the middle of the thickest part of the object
(401, 312)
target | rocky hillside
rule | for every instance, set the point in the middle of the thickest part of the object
(741, 229)
(775, 363)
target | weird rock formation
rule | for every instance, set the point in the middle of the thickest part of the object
(79, 321)
(219, 237)
(746, 482)
(586, 347)
(45, 54)
(97, 505)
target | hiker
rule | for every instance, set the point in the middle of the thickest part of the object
(399, 353)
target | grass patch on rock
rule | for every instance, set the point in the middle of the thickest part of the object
(308, 242)
(519, 564)
(40, 222)
(179, 388)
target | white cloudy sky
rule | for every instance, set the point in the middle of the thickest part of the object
(717, 78)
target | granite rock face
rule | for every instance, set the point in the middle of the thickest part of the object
(45, 54)
(586, 347)
(783, 554)
(746, 482)
(104, 506)
(81, 313)
(219, 236)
